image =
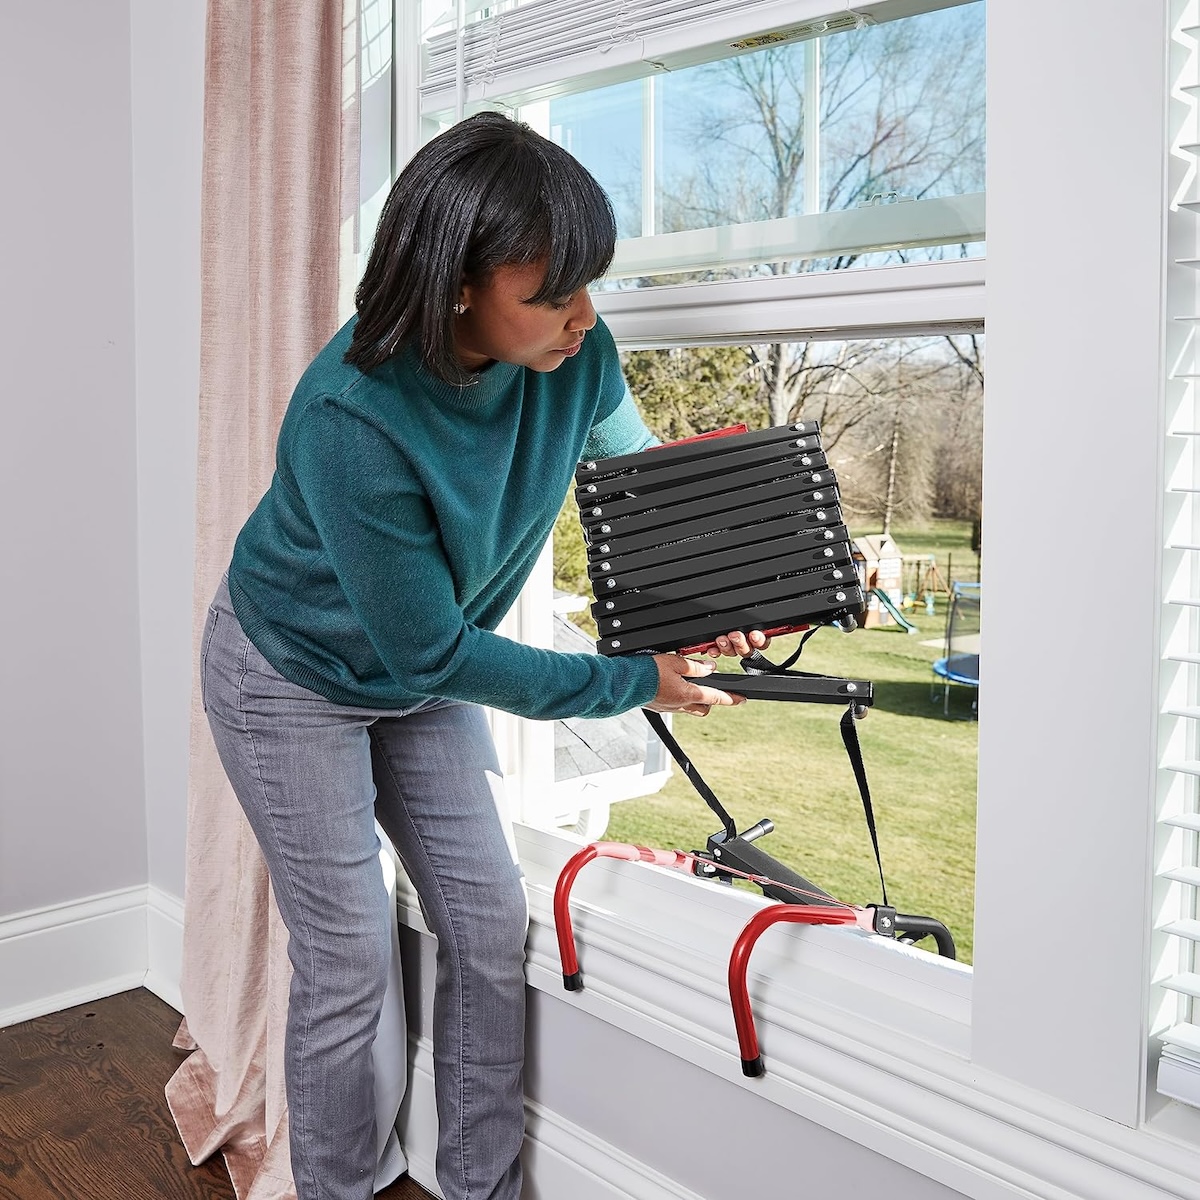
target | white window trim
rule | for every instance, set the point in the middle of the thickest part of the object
(938, 221)
(913, 299)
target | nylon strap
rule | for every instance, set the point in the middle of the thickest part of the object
(685, 765)
(854, 753)
(757, 663)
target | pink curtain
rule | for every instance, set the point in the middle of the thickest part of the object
(279, 195)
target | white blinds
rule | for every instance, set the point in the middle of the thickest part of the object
(1176, 1017)
(527, 51)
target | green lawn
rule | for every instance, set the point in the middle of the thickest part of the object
(787, 762)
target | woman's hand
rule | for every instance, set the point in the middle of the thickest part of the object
(739, 644)
(678, 693)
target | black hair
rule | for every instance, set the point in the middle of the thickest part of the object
(486, 193)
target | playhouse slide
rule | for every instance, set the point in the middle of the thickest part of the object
(886, 601)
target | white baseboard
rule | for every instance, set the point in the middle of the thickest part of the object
(164, 946)
(560, 1158)
(66, 954)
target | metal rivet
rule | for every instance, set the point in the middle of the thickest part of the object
(840, 596)
(615, 645)
(596, 512)
(806, 461)
(829, 535)
(606, 529)
(590, 466)
(612, 583)
(608, 604)
(837, 574)
(604, 549)
(816, 496)
(828, 551)
(616, 624)
(820, 516)
(852, 687)
(606, 566)
(816, 477)
(591, 487)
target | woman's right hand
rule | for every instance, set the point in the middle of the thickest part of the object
(680, 688)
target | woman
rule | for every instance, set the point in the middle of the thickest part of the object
(420, 466)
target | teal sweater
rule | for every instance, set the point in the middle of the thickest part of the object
(403, 518)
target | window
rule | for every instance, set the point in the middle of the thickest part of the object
(833, 143)
(902, 426)
(1056, 1024)
(742, 176)
(822, 153)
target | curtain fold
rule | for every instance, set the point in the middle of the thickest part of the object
(280, 178)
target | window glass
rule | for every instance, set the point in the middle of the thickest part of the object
(875, 118)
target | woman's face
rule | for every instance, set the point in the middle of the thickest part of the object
(499, 324)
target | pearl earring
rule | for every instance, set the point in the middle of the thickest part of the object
(459, 309)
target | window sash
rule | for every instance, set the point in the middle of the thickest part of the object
(910, 300)
(940, 221)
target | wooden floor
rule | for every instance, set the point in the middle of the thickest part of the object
(82, 1111)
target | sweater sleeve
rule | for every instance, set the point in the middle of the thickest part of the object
(621, 432)
(618, 427)
(379, 533)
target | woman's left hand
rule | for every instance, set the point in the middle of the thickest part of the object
(739, 644)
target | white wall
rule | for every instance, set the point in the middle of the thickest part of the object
(168, 99)
(72, 807)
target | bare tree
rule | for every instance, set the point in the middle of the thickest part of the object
(901, 112)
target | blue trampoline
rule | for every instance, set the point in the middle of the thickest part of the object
(960, 663)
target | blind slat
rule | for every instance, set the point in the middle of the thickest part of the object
(533, 33)
(554, 47)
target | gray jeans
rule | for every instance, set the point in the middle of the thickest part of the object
(312, 776)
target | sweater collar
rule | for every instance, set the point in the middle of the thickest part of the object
(488, 385)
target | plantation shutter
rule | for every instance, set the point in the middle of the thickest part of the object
(546, 47)
(1176, 1016)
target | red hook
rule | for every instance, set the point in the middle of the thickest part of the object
(676, 860)
(739, 960)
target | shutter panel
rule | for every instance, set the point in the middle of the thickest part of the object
(1176, 1016)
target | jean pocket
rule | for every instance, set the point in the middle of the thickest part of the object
(210, 628)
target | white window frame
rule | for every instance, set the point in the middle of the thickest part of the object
(1031, 1072)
